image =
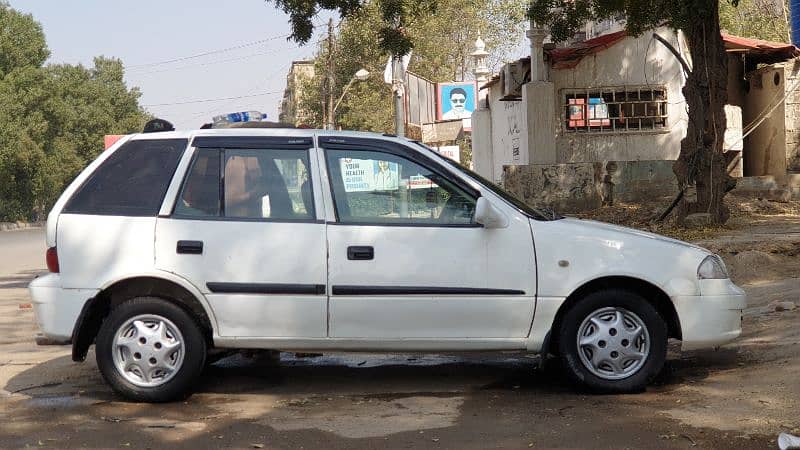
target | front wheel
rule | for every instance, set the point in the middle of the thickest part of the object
(150, 350)
(613, 341)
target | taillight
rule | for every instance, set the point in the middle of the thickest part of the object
(52, 260)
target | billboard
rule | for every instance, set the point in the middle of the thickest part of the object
(455, 100)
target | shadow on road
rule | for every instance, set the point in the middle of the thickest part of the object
(18, 280)
(364, 374)
(352, 400)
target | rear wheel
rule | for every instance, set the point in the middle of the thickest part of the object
(150, 350)
(613, 341)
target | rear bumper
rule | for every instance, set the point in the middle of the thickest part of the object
(56, 309)
(712, 318)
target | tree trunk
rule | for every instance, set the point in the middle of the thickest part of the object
(701, 168)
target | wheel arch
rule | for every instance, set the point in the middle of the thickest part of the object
(650, 292)
(150, 285)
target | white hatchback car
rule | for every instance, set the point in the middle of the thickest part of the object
(174, 243)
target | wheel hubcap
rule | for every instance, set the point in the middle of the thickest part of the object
(613, 343)
(148, 350)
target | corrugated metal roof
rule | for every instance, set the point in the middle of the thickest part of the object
(776, 51)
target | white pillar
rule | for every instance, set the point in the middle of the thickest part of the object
(482, 151)
(537, 35)
(539, 99)
(481, 71)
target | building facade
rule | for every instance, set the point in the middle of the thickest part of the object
(290, 111)
(619, 98)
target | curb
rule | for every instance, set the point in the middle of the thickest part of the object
(9, 226)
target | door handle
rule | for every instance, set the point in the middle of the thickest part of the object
(360, 253)
(190, 247)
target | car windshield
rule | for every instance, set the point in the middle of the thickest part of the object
(534, 213)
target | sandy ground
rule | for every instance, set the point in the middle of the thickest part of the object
(740, 396)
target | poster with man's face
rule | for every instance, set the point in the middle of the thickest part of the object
(455, 100)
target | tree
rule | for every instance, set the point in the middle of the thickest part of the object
(701, 167)
(52, 118)
(442, 55)
(22, 41)
(396, 15)
(759, 19)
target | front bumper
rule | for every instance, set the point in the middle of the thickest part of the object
(57, 309)
(712, 318)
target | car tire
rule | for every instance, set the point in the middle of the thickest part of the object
(150, 350)
(613, 341)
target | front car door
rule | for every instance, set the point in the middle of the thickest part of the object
(245, 231)
(407, 262)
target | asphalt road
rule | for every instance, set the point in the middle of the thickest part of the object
(334, 401)
(21, 251)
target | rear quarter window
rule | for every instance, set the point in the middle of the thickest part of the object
(132, 181)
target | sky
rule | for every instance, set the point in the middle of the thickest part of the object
(244, 50)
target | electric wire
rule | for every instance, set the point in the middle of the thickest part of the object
(208, 100)
(212, 52)
(208, 53)
(225, 106)
(212, 63)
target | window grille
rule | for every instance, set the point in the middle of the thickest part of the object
(615, 110)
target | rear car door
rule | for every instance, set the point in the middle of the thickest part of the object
(245, 231)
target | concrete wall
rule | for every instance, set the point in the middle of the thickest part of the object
(733, 137)
(765, 147)
(542, 122)
(791, 76)
(482, 160)
(578, 187)
(522, 134)
(509, 135)
(633, 62)
(736, 80)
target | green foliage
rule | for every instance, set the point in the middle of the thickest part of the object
(391, 31)
(52, 118)
(565, 17)
(442, 44)
(759, 19)
(22, 41)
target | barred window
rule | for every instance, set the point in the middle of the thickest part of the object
(615, 110)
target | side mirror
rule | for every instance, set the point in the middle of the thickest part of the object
(488, 215)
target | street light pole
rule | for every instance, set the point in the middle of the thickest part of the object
(361, 75)
(330, 124)
(398, 89)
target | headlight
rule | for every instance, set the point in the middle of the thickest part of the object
(712, 268)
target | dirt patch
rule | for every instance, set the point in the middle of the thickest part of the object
(753, 265)
(745, 213)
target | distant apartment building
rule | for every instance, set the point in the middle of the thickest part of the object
(291, 111)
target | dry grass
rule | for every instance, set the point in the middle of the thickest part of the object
(744, 212)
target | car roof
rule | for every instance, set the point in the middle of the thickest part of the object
(278, 132)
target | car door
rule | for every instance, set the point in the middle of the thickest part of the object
(244, 231)
(407, 259)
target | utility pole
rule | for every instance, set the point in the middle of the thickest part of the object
(331, 123)
(398, 88)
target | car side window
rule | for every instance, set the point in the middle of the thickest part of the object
(200, 195)
(257, 184)
(377, 187)
(132, 181)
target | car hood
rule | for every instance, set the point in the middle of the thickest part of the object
(633, 233)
